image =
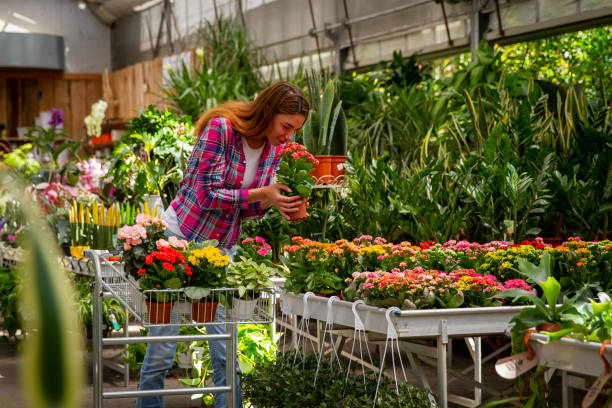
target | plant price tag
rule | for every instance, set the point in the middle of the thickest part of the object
(595, 389)
(513, 366)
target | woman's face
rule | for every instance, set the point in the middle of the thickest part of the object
(283, 126)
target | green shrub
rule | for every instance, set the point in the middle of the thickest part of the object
(280, 383)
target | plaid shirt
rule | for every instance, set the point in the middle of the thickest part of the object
(211, 202)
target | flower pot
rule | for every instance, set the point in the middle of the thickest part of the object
(155, 204)
(242, 309)
(299, 214)
(337, 168)
(322, 172)
(159, 313)
(549, 327)
(77, 251)
(203, 312)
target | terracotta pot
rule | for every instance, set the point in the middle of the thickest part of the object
(549, 327)
(203, 312)
(300, 214)
(322, 172)
(159, 313)
(337, 167)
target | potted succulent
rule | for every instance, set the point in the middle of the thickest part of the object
(249, 277)
(207, 265)
(294, 171)
(165, 268)
(325, 132)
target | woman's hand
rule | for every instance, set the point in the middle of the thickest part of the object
(285, 204)
(271, 195)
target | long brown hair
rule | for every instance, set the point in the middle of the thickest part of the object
(252, 118)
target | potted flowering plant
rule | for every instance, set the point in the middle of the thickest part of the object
(294, 171)
(207, 265)
(165, 268)
(138, 240)
(255, 248)
(249, 277)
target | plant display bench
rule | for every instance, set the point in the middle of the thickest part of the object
(570, 356)
(440, 324)
(111, 281)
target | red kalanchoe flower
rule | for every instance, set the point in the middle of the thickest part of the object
(168, 266)
(142, 271)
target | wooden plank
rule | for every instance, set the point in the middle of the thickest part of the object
(47, 94)
(78, 93)
(12, 93)
(61, 100)
(3, 103)
(138, 87)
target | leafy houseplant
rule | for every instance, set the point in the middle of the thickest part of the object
(248, 276)
(152, 155)
(293, 171)
(546, 310)
(325, 132)
(207, 265)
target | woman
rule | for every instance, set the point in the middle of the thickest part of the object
(227, 180)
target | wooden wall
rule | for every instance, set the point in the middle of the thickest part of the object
(138, 86)
(24, 94)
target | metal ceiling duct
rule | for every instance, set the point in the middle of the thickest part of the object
(31, 51)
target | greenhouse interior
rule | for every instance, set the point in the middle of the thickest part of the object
(305, 203)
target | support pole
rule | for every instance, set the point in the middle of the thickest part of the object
(230, 364)
(315, 34)
(499, 19)
(448, 34)
(350, 33)
(97, 344)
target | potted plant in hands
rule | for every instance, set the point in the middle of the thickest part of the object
(249, 277)
(165, 268)
(294, 172)
(207, 265)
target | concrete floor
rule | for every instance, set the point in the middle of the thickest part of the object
(11, 394)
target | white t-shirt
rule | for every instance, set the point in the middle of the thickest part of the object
(252, 157)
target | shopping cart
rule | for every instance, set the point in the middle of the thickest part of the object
(171, 307)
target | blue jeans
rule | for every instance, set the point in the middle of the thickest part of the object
(160, 356)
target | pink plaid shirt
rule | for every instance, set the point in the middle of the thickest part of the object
(211, 202)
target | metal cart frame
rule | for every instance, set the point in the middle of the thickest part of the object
(111, 281)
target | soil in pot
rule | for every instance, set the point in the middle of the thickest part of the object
(549, 327)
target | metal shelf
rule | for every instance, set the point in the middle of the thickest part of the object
(569, 354)
(460, 322)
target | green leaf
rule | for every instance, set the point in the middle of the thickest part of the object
(173, 283)
(195, 292)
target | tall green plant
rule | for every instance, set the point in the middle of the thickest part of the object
(325, 131)
(227, 68)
